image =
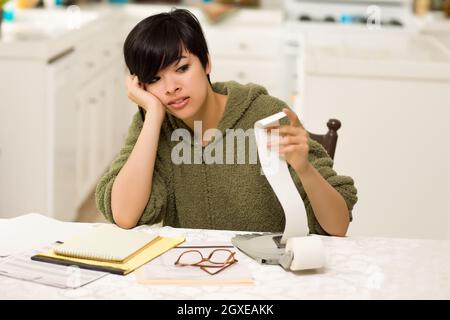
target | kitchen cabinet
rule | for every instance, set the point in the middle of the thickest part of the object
(102, 120)
(94, 138)
(63, 121)
(247, 54)
(24, 130)
(61, 134)
(37, 162)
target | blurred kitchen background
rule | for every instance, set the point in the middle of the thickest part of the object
(381, 67)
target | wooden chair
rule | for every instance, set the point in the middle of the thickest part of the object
(328, 140)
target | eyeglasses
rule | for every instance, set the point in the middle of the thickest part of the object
(218, 258)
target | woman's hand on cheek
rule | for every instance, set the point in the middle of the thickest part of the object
(293, 143)
(137, 93)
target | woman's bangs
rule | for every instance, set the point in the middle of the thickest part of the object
(166, 49)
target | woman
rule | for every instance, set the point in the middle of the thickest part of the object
(168, 59)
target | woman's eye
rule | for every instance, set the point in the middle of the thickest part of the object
(154, 80)
(183, 68)
(180, 69)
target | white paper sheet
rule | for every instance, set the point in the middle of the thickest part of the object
(34, 230)
(276, 170)
(20, 266)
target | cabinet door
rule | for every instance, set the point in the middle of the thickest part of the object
(91, 149)
(63, 140)
(83, 147)
(96, 149)
(122, 108)
(23, 138)
(103, 122)
(100, 126)
(94, 133)
(119, 103)
(114, 89)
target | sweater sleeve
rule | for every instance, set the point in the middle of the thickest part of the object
(320, 159)
(156, 207)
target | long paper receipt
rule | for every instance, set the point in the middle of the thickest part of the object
(277, 173)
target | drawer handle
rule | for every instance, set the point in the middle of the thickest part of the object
(293, 44)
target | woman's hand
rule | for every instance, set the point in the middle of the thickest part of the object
(293, 143)
(136, 92)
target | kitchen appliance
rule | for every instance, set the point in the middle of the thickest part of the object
(323, 21)
(393, 13)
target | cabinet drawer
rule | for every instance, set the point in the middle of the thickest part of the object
(110, 48)
(244, 42)
(96, 55)
(89, 58)
(265, 73)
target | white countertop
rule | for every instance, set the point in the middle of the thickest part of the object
(356, 268)
(42, 33)
(434, 22)
(389, 52)
(415, 56)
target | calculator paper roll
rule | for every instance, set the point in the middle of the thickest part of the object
(309, 252)
(277, 173)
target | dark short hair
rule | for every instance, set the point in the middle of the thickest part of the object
(158, 41)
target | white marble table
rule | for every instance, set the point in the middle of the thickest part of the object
(356, 268)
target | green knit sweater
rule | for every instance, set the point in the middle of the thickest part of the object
(220, 196)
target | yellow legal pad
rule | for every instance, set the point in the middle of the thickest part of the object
(157, 247)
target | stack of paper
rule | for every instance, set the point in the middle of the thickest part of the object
(109, 248)
(33, 231)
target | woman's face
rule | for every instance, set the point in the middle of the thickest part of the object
(182, 87)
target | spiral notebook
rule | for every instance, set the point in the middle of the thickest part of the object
(106, 243)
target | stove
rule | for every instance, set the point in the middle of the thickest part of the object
(378, 13)
(318, 33)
